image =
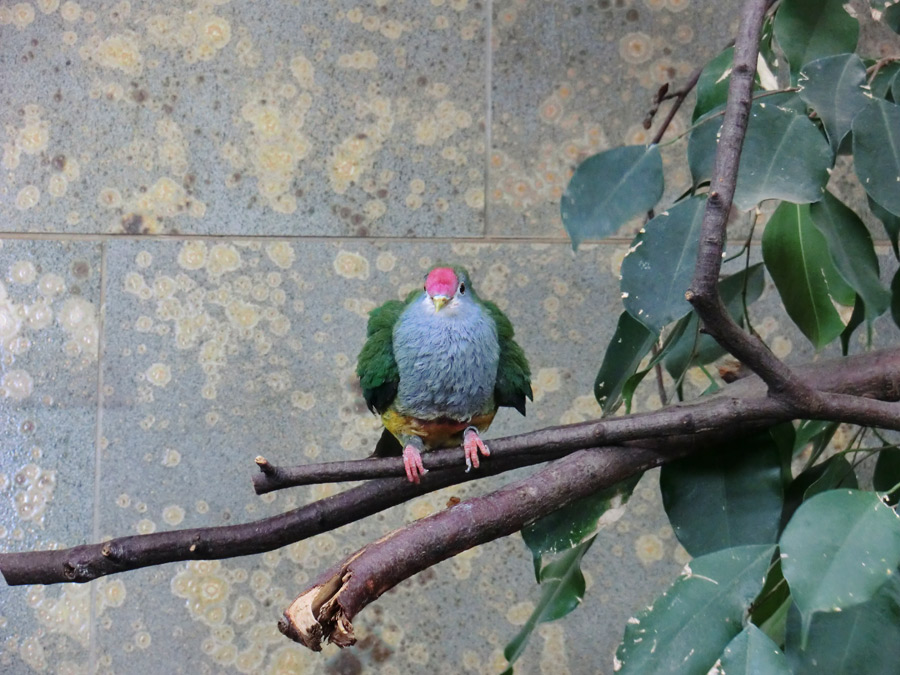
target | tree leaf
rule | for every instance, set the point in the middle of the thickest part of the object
(703, 348)
(810, 29)
(876, 152)
(895, 298)
(887, 472)
(856, 320)
(838, 550)
(796, 255)
(813, 481)
(610, 188)
(630, 343)
(730, 496)
(573, 524)
(753, 653)
(712, 87)
(852, 251)
(562, 590)
(884, 79)
(660, 265)
(890, 221)
(891, 18)
(832, 86)
(784, 156)
(860, 640)
(688, 627)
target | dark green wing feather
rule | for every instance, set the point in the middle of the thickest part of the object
(513, 374)
(375, 366)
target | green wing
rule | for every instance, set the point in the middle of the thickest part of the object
(513, 374)
(375, 366)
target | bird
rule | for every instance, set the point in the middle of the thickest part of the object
(437, 366)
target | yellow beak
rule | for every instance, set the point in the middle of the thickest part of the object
(439, 301)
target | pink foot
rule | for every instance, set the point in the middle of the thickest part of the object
(473, 444)
(412, 460)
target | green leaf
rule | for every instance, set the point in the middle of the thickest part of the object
(703, 348)
(876, 152)
(660, 265)
(784, 156)
(562, 590)
(712, 87)
(818, 432)
(852, 251)
(753, 653)
(887, 472)
(860, 640)
(891, 18)
(573, 524)
(769, 609)
(884, 79)
(836, 473)
(856, 320)
(895, 298)
(630, 343)
(609, 189)
(796, 255)
(838, 550)
(730, 496)
(810, 29)
(832, 86)
(814, 480)
(688, 627)
(890, 221)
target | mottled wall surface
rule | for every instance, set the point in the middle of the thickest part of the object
(199, 203)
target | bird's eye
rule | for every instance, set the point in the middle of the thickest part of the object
(462, 289)
(425, 288)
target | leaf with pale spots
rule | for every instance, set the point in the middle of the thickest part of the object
(688, 627)
(838, 549)
(609, 189)
(631, 342)
(658, 269)
(753, 653)
(807, 30)
(575, 523)
(784, 156)
(833, 87)
(876, 152)
(864, 639)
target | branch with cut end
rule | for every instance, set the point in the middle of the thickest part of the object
(325, 610)
(703, 293)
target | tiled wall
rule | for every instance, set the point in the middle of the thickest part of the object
(199, 203)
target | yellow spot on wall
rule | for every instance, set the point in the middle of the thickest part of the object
(351, 265)
(159, 374)
(28, 197)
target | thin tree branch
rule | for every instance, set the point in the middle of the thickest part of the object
(326, 609)
(703, 293)
(874, 376)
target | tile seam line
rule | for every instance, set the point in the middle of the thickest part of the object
(98, 436)
(488, 112)
(106, 238)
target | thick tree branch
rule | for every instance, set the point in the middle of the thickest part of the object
(326, 609)
(703, 293)
(872, 376)
(741, 408)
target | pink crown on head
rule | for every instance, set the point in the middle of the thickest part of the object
(441, 281)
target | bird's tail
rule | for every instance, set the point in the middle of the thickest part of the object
(387, 446)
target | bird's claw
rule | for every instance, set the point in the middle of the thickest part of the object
(412, 462)
(473, 444)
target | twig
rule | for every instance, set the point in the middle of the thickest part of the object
(703, 293)
(871, 375)
(873, 70)
(326, 609)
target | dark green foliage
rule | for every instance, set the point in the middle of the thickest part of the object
(513, 373)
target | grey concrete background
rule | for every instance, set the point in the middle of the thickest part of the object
(200, 200)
